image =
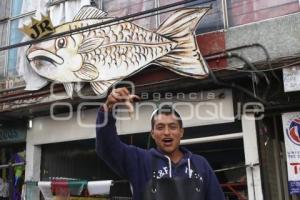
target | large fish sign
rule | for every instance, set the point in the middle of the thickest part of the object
(106, 55)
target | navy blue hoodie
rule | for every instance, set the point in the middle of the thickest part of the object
(135, 164)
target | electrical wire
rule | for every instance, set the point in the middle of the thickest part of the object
(227, 53)
(261, 70)
(244, 166)
(159, 82)
(249, 64)
(235, 86)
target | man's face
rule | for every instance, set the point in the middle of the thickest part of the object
(167, 133)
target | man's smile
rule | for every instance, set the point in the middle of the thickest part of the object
(167, 141)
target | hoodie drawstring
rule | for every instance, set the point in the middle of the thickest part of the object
(170, 166)
(189, 168)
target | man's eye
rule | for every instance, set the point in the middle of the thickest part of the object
(173, 126)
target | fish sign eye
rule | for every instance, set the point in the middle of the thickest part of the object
(61, 43)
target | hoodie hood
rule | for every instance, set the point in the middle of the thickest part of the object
(158, 153)
(166, 167)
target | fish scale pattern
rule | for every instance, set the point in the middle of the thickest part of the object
(126, 55)
(126, 45)
(123, 32)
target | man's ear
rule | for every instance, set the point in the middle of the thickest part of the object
(152, 134)
(181, 132)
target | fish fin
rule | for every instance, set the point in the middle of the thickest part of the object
(90, 44)
(101, 87)
(89, 12)
(87, 72)
(185, 58)
(69, 87)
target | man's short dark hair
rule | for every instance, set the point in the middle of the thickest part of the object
(165, 110)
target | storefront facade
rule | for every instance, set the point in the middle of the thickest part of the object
(233, 117)
(211, 129)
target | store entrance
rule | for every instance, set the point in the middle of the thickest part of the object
(12, 170)
(228, 161)
(78, 159)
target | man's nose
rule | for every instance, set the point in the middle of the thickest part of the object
(166, 131)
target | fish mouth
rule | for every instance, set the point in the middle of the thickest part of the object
(45, 55)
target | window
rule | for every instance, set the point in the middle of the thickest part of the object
(13, 14)
(247, 11)
(119, 8)
(213, 20)
(4, 15)
(3, 42)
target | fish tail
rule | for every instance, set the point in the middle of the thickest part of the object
(185, 58)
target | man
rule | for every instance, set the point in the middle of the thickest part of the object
(167, 172)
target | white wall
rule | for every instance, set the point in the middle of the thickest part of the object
(81, 125)
(196, 110)
(48, 130)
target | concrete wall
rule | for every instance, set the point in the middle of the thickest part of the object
(280, 36)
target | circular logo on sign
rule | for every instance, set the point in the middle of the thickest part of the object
(294, 131)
